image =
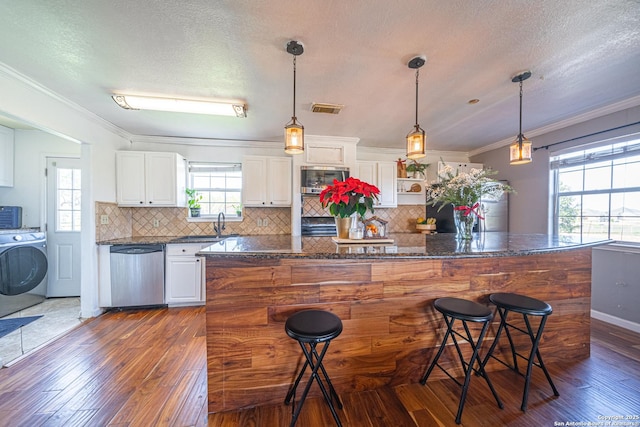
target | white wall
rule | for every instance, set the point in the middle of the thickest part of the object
(27, 102)
(529, 209)
(208, 151)
(30, 149)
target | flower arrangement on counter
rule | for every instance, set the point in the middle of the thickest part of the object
(464, 189)
(344, 198)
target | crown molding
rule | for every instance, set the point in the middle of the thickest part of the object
(331, 139)
(93, 118)
(594, 114)
(210, 142)
(239, 143)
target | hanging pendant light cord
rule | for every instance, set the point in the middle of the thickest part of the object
(294, 87)
(520, 132)
(417, 74)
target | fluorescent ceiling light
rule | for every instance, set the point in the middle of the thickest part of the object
(218, 108)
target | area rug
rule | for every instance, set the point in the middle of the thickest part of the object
(9, 325)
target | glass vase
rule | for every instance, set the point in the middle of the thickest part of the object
(464, 223)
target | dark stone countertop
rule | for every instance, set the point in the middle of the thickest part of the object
(405, 245)
(159, 240)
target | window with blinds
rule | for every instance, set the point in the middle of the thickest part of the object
(597, 191)
(220, 185)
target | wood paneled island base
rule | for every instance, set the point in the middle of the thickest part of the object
(390, 328)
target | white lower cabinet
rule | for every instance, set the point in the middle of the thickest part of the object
(184, 275)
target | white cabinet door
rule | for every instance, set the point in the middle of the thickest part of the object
(150, 179)
(367, 172)
(266, 181)
(160, 179)
(388, 184)
(6, 157)
(254, 181)
(384, 176)
(130, 178)
(184, 275)
(279, 188)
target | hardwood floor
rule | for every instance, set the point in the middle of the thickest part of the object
(143, 368)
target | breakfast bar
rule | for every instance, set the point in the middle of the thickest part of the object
(383, 293)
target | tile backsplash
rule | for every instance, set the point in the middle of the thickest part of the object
(136, 222)
(400, 220)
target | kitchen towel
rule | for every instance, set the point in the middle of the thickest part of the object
(9, 325)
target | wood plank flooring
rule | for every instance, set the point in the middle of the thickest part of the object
(147, 368)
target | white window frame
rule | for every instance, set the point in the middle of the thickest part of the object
(234, 170)
(591, 158)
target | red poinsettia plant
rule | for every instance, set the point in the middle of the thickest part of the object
(344, 198)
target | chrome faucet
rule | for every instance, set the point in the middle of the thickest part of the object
(221, 225)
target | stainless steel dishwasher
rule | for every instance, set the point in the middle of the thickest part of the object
(137, 275)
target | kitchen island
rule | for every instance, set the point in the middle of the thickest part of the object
(383, 293)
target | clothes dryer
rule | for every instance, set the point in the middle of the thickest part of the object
(23, 270)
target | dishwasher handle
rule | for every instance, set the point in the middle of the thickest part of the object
(136, 249)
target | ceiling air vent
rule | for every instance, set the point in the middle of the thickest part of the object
(317, 107)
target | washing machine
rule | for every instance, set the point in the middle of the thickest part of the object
(23, 269)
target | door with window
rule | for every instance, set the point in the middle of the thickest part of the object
(63, 226)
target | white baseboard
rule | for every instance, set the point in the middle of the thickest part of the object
(632, 326)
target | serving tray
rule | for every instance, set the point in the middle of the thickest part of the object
(361, 241)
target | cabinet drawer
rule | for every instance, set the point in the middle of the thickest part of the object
(185, 249)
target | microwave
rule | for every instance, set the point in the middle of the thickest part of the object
(314, 179)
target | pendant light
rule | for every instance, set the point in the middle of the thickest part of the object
(520, 150)
(416, 139)
(294, 131)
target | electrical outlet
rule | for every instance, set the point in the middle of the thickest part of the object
(156, 222)
(265, 222)
(259, 222)
(104, 219)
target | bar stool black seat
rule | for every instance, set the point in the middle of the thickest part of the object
(527, 306)
(309, 328)
(465, 311)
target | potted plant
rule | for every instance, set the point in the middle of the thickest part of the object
(417, 168)
(346, 198)
(238, 209)
(193, 201)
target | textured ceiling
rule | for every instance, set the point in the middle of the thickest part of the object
(583, 55)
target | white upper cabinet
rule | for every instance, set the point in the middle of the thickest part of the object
(6, 157)
(266, 181)
(384, 176)
(150, 179)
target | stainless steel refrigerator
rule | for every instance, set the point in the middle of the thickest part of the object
(494, 210)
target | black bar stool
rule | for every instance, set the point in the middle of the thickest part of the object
(527, 306)
(309, 328)
(466, 311)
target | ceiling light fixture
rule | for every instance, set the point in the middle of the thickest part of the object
(520, 150)
(217, 108)
(294, 131)
(416, 139)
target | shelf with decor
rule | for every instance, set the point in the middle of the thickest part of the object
(411, 191)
